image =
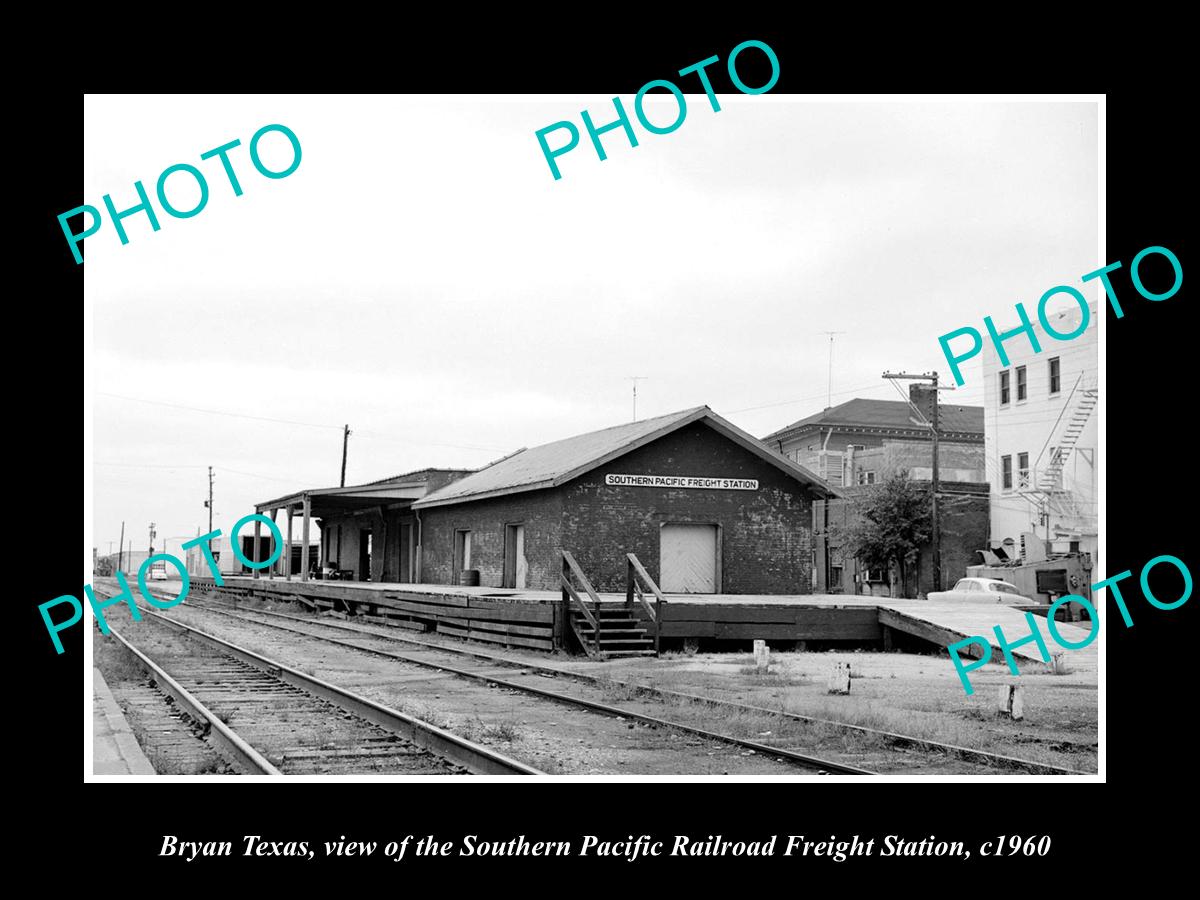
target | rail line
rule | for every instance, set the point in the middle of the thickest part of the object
(811, 763)
(968, 754)
(224, 738)
(310, 725)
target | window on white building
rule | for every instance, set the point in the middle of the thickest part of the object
(1055, 375)
(1004, 388)
(1022, 470)
(1006, 473)
(866, 477)
(1021, 392)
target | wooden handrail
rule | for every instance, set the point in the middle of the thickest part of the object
(637, 567)
(587, 613)
(571, 567)
(583, 579)
(635, 573)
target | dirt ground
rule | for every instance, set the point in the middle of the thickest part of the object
(913, 694)
(919, 695)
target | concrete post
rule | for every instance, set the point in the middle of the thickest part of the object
(762, 657)
(839, 679)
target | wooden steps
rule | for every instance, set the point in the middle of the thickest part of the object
(621, 634)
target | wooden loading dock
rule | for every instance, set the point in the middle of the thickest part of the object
(537, 619)
(534, 619)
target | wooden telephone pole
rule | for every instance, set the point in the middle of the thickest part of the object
(345, 442)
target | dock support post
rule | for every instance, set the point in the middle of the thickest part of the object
(304, 539)
(628, 583)
(275, 565)
(559, 634)
(257, 554)
(288, 564)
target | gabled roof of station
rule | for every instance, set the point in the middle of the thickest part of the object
(558, 462)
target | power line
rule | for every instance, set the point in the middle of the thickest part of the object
(149, 465)
(256, 475)
(873, 384)
(217, 412)
(190, 466)
(395, 437)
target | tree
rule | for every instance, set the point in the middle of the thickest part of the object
(890, 523)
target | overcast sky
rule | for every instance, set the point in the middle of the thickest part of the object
(422, 277)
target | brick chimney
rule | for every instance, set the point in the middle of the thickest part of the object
(922, 396)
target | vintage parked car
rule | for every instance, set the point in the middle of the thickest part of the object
(984, 590)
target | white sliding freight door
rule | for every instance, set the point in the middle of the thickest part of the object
(689, 559)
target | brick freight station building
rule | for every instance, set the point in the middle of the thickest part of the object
(706, 507)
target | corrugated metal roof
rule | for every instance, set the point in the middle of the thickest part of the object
(559, 461)
(888, 414)
(412, 476)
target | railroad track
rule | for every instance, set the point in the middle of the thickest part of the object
(291, 723)
(791, 757)
(983, 758)
(479, 673)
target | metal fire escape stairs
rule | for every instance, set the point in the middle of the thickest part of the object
(1045, 485)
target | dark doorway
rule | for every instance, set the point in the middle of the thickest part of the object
(265, 549)
(406, 553)
(364, 554)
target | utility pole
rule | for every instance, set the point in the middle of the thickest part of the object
(936, 537)
(635, 379)
(152, 534)
(209, 503)
(345, 441)
(121, 550)
(829, 382)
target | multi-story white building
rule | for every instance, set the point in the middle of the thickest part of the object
(1040, 435)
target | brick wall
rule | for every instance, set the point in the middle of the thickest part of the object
(765, 534)
(956, 462)
(765, 537)
(964, 523)
(541, 513)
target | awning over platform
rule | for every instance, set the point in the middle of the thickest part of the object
(326, 501)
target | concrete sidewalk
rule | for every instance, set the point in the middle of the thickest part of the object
(115, 751)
